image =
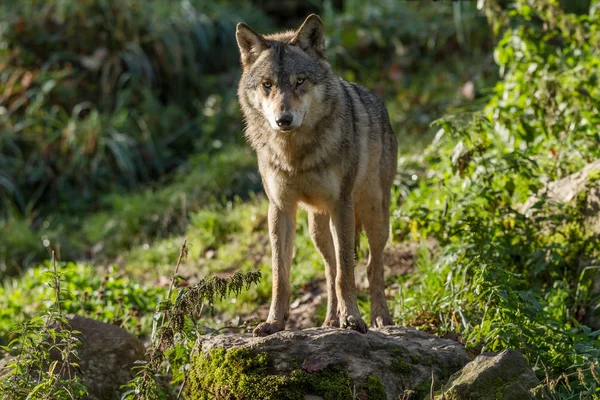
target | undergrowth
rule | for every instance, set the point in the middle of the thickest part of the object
(176, 330)
(507, 277)
(43, 350)
(121, 103)
(108, 296)
(35, 372)
(130, 139)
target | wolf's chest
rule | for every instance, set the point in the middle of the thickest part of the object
(317, 190)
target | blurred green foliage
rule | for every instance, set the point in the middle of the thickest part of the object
(105, 95)
(130, 219)
(416, 56)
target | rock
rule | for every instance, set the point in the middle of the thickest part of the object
(591, 208)
(4, 361)
(106, 355)
(568, 188)
(503, 376)
(331, 363)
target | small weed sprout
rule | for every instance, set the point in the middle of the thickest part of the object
(173, 339)
(45, 366)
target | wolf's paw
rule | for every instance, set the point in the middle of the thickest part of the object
(383, 319)
(352, 322)
(267, 328)
(331, 322)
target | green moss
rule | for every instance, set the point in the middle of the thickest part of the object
(374, 388)
(422, 391)
(332, 383)
(466, 386)
(399, 351)
(244, 374)
(401, 366)
(593, 177)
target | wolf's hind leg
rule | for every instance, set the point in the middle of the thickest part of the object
(343, 230)
(320, 232)
(282, 227)
(375, 215)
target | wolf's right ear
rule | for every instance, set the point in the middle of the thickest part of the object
(310, 37)
(251, 44)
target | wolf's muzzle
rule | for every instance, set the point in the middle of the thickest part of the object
(285, 120)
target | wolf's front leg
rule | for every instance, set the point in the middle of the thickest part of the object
(282, 226)
(343, 230)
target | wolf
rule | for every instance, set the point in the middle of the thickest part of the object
(326, 145)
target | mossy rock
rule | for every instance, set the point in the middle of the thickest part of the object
(502, 376)
(240, 373)
(323, 363)
(374, 389)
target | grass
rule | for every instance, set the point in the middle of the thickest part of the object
(126, 219)
(111, 175)
(225, 239)
(108, 296)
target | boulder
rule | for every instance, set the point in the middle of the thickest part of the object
(502, 376)
(325, 363)
(4, 361)
(582, 189)
(106, 355)
(568, 188)
(591, 208)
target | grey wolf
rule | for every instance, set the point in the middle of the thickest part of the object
(326, 145)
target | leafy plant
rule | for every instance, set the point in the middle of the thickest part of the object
(35, 372)
(122, 102)
(45, 364)
(109, 297)
(437, 57)
(176, 332)
(505, 277)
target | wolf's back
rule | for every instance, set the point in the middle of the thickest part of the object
(366, 114)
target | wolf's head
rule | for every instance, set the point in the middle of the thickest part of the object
(285, 74)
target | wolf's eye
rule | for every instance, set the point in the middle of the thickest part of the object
(300, 81)
(267, 85)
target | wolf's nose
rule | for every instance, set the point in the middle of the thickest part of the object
(285, 120)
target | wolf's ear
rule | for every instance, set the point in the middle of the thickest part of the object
(310, 37)
(251, 44)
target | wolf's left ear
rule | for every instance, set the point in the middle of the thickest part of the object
(310, 37)
(251, 44)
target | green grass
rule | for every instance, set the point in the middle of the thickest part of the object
(128, 220)
(120, 173)
(227, 239)
(107, 295)
(141, 223)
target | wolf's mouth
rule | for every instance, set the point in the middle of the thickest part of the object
(287, 128)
